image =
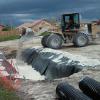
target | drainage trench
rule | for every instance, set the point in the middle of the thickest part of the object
(50, 64)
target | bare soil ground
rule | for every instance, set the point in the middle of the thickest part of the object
(45, 90)
(91, 51)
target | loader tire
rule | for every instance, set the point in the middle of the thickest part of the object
(80, 40)
(44, 40)
(67, 92)
(90, 87)
(54, 41)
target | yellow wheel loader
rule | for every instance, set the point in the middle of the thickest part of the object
(72, 31)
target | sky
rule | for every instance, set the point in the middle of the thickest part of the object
(16, 12)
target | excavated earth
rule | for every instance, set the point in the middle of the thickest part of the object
(45, 90)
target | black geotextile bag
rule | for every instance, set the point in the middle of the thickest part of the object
(90, 87)
(68, 92)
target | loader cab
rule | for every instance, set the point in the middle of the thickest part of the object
(70, 22)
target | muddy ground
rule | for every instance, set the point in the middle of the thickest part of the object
(45, 90)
